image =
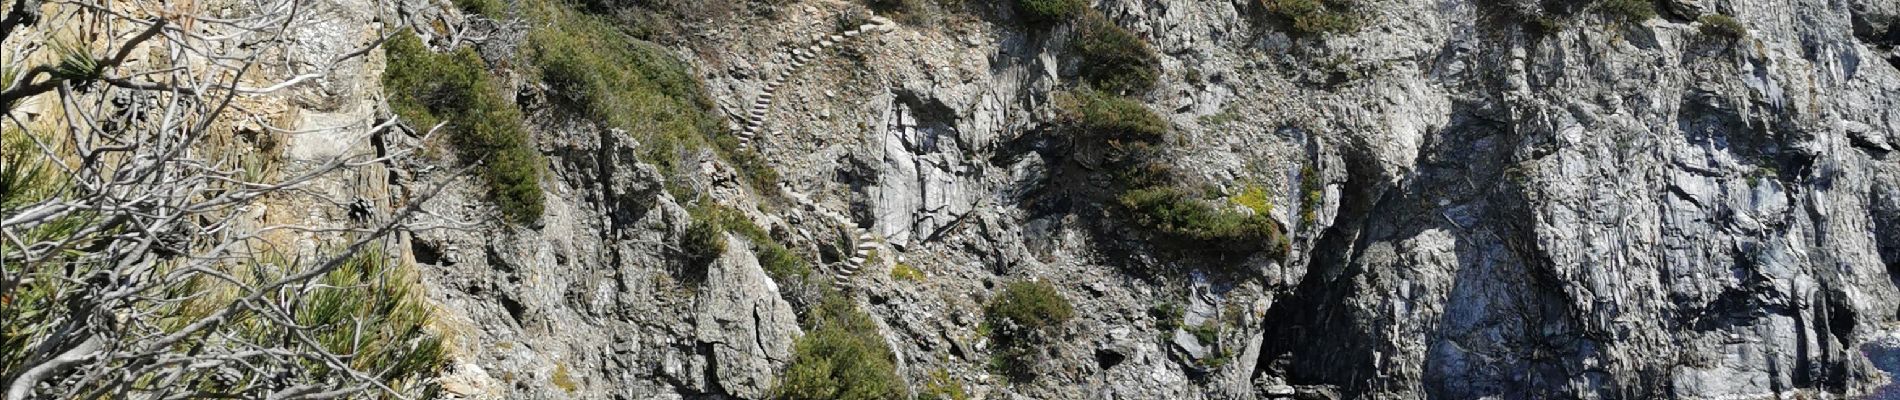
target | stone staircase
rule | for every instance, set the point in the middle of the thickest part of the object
(864, 243)
(755, 117)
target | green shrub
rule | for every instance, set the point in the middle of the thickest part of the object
(842, 358)
(1109, 117)
(1050, 11)
(427, 88)
(1719, 25)
(1025, 309)
(1628, 11)
(484, 7)
(1181, 217)
(905, 272)
(1314, 17)
(1018, 321)
(1114, 59)
(1207, 332)
(636, 86)
(778, 261)
(943, 387)
(702, 243)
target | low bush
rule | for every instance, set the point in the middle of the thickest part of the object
(1104, 116)
(1182, 217)
(1114, 59)
(427, 88)
(702, 243)
(778, 261)
(1018, 320)
(841, 358)
(1719, 25)
(1050, 11)
(1628, 11)
(1025, 309)
(1314, 17)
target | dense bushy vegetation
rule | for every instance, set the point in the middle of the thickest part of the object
(1101, 116)
(1722, 26)
(1182, 216)
(711, 222)
(1314, 17)
(638, 87)
(1019, 321)
(1145, 191)
(1629, 11)
(1114, 59)
(1050, 11)
(842, 357)
(426, 88)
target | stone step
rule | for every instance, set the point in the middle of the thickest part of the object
(857, 260)
(836, 38)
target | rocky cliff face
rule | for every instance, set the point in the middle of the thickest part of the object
(1599, 210)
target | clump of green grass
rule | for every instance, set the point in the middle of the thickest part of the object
(1019, 320)
(1114, 59)
(563, 379)
(842, 358)
(1722, 26)
(943, 387)
(1314, 17)
(905, 272)
(1256, 198)
(426, 88)
(1045, 12)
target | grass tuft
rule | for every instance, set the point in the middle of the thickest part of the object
(905, 272)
